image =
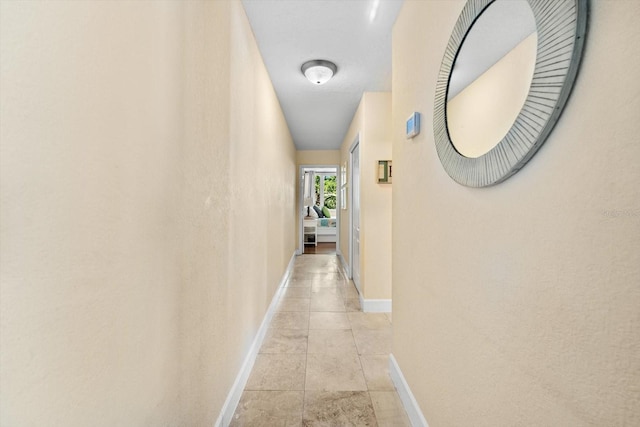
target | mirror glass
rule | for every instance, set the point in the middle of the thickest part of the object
(491, 77)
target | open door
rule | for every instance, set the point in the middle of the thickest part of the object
(355, 214)
(319, 224)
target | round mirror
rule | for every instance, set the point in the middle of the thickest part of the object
(491, 76)
(483, 139)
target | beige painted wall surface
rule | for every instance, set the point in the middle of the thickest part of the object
(373, 121)
(318, 157)
(375, 225)
(232, 262)
(129, 293)
(356, 129)
(518, 304)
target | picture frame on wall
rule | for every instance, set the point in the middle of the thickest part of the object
(385, 172)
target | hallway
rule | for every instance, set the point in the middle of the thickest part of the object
(323, 361)
(151, 206)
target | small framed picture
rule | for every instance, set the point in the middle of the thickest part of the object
(385, 172)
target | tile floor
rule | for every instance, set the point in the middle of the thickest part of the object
(323, 361)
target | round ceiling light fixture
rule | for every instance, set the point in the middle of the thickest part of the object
(319, 71)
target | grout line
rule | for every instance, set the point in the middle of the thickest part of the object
(306, 364)
(340, 287)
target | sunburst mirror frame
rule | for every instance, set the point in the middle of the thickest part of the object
(561, 27)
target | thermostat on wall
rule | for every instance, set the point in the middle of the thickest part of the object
(413, 125)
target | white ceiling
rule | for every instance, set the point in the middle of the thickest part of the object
(291, 32)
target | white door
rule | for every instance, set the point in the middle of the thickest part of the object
(303, 210)
(355, 214)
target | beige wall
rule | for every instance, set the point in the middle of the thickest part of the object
(356, 128)
(133, 272)
(318, 157)
(518, 304)
(372, 122)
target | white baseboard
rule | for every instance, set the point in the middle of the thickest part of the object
(406, 396)
(367, 305)
(345, 267)
(375, 305)
(230, 404)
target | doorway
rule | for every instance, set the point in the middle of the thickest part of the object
(354, 230)
(319, 208)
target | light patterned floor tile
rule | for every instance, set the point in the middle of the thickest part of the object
(277, 372)
(326, 292)
(285, 341)
(294, 304)
(269, 409)
(334, 373)
(361, 320)
(352, 304)
(327, 303)
(297, 292)
(290, 320)
(298, 283)
(323, 361)
(350, 291)
(328, 320)
(317, 285)
(332, 341)
(388, 409)
(376, 372)
(338, 409)
(376, 341)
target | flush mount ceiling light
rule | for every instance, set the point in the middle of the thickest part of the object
(319, 71)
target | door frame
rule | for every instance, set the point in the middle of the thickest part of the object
(300, 204)
(354, 144)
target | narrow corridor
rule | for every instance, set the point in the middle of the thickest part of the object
(323, 361)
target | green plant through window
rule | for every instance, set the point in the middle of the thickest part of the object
(327, 196)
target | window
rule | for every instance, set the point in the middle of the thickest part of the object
(326, 194)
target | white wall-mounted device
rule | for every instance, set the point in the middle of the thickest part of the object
(413, 125)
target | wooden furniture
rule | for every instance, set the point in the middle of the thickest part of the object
(310, 230)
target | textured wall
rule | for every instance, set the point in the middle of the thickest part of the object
(373, 121)
(318, 157)
(356, 127)
(518, 304)
(127, 171)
